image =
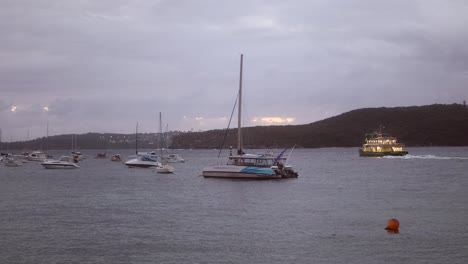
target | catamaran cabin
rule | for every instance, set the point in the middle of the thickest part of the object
(254, 160)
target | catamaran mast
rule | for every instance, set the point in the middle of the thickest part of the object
(239, 124)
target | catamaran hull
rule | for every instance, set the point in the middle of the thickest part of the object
(240, 172)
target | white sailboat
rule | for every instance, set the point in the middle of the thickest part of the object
(142, 160)
(249, 166)
(163, 167)
(171, 157)
(74, 146)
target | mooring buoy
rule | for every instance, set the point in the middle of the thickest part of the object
(392, 225)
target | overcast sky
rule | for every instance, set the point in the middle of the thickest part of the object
(101, 66)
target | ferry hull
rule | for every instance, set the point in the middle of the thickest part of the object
(381, 154)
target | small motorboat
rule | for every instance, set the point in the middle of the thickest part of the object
(116, 157)
(173, 158)
(144, 161)
(37, 156)
(77, 155)
(12, 163)
(165, 168)
(101, 155)
(65, 162)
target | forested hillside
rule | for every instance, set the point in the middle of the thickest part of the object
(431, 125)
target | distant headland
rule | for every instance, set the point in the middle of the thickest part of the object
(429, 125)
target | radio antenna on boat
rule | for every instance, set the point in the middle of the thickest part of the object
(289, 155)
(227, 129)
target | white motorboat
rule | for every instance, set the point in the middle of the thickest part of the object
(4, 156)
(38, 156)
(12, 162)
(143, 161)
(116, 157)
(249, 166)
(165, 168)
(77, 155)
(173, 158)
(65, 162)
(101, 155)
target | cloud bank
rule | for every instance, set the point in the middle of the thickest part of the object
(101, 66)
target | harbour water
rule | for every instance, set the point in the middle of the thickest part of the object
(335, 212)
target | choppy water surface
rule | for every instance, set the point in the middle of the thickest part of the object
(335, 212)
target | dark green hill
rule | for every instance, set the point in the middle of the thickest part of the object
(431, 125)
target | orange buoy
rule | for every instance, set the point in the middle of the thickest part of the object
(392, 225)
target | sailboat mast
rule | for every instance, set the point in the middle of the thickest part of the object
(47, 137)
(160, 133)
(239, 120)
(166, 136)
(136, 139)
(27, 142)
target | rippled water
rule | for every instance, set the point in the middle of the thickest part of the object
(335, 212)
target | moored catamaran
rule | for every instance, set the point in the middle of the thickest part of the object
(250, 166)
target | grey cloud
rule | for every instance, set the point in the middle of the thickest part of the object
(108, 64)
(4, 106)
